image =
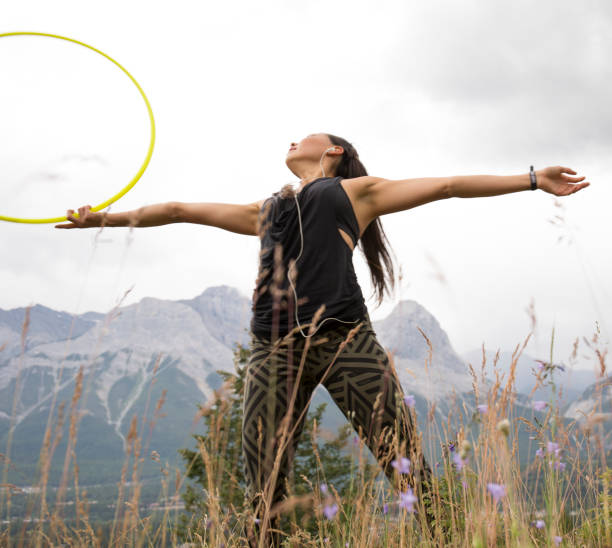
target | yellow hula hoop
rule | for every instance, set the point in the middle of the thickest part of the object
(151, 141)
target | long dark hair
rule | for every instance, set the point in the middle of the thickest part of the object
(374, 237)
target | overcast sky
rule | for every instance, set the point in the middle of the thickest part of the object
(427, 89)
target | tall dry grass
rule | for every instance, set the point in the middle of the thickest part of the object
(466, 513)
(481, 494)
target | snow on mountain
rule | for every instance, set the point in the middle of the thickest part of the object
(45, 325)
(136, 334)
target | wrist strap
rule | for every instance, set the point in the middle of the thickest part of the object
(532, 176)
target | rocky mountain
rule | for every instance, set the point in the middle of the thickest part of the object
(593, 407)
(179, 344)
(419, 345)
(168, 352)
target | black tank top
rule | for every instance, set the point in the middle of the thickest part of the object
(325, 272)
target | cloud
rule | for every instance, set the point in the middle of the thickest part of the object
(525, 76)
(422, 89)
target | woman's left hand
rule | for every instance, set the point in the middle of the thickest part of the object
(556, 180)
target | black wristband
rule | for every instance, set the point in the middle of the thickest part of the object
(532, 176)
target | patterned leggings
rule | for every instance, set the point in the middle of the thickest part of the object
(357, 377)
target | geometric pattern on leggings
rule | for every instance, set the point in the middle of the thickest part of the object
(360, 374)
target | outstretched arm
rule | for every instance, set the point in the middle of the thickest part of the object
(378, 196)
(240, 218)
(550, 179)
(151, 215)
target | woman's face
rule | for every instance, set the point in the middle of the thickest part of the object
(311, 147)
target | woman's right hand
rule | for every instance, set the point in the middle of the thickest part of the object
(86, 218)
(555, 180)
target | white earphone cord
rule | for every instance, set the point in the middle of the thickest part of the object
(296, 259)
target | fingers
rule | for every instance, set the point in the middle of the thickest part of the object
(576, 188)
(568, 179)
(577, 180)
(76, 222)
(572, 179)
(84, 212)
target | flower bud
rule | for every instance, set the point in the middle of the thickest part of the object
(466, 447)
(504, 427)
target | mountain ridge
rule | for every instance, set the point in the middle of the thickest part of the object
(131, 354)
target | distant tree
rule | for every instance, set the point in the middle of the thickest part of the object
(221, 445)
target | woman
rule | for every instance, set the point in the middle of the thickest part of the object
(310, 324)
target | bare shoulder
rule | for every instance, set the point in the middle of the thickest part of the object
(359, 187)
(257, 206)
(359, 190)
(257, 211)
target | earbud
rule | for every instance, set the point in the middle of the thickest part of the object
(330, 148)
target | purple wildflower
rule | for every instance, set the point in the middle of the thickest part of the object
(330, 510)
(539, 405)
(543, 365)
(407, 499)
(557, 540)
(459, 462)
(540, 453)
(560, 465)
(483, 408)
(256, 520)
(552, 446)
(385, 508)
(402, 466)
(497, 490)
(540, 524)
(409, 400)
(323, 488)
(557, 464)
(451, 446)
